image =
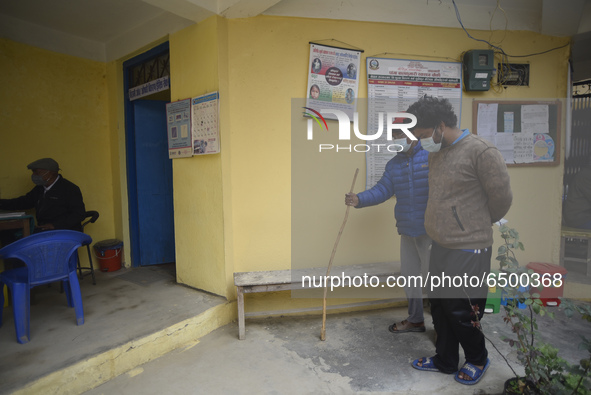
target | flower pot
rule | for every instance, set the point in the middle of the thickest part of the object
(511, 387)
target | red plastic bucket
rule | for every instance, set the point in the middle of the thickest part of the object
(108, 253)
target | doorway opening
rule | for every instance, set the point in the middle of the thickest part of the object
(149, 170)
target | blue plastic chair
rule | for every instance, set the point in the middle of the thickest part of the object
(49, 256)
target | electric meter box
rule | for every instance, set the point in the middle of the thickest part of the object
(478, 68)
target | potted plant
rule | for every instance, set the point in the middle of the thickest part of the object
(545, 371)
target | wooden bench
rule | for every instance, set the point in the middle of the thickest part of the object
(284, 280)
(575, 234)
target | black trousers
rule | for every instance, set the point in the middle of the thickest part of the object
(454, 307)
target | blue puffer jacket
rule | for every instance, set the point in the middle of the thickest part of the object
(407, 177)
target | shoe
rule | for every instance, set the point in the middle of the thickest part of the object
(405, 326)
(426, 365)
(473, 372)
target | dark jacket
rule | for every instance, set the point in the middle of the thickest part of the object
(469, 189)
(407, 178)
(61, 206)
(577, 208)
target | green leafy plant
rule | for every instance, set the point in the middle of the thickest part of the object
(545, 371)
(506, 252)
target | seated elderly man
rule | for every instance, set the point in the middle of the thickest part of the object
(58, 202)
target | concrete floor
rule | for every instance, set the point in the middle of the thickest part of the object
(285, 356)
(124, 305)
(280, 355)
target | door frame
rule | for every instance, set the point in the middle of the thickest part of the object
(132, 193)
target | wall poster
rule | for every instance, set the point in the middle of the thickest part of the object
(333, 81)
(395, 84)
(205, 120)
(178, 120)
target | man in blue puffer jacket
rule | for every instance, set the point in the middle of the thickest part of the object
(406, 176)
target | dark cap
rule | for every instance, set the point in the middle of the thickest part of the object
(45, 164)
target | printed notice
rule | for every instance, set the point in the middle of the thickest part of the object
(508, 122)
(333, 81)
(395, 84)
(523, 151)
(534, 118)
(505, 144)
(205, 116)
(543, 147)
(178, 115)
(487, 120)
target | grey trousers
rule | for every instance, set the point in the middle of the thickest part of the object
(414, 261)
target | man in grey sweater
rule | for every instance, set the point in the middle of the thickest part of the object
(469, 190)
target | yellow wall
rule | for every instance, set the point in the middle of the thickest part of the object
(198, 198)
(54, 105)
(233, 209)
(268, 58)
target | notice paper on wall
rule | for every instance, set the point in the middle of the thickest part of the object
(333, 81)
(205, 121)
(487, 120)
(395, 84)
(178, 121)
(534, 118)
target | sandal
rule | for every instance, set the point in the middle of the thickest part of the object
(405, 326)
(426, 364)
(473, 372)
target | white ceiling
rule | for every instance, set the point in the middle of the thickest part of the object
(105, 30)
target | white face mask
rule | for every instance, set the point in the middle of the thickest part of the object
(39, 179)
(429, 144)
(403, 143)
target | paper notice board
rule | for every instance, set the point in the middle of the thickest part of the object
(527, 133)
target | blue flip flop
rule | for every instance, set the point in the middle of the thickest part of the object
(473, 372)
(426, 365)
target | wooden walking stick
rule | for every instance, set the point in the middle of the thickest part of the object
(334, 250)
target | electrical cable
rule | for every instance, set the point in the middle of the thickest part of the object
(491, 19)
(539, 53)
(497, 47)
(319, 42)
(502, 75)
(497, 86)
(511, 74)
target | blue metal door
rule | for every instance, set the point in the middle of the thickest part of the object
(155, 211)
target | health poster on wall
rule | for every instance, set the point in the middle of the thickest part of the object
(205, 121)
(395, 84)
(333, 79)
(178, 116)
